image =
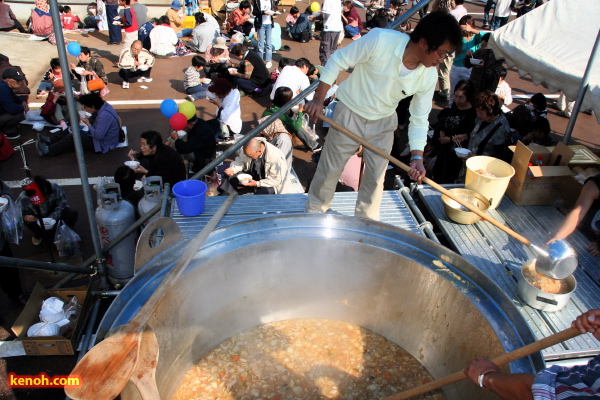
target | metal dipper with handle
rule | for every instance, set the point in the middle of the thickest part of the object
(558, 262)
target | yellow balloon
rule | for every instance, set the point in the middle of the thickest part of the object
(315, 7)
(188, 109)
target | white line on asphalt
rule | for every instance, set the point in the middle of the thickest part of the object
(60, 182)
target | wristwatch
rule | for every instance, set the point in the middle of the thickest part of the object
(416, 158)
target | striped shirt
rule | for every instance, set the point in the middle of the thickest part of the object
(562, 383)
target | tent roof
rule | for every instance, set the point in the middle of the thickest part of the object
(553, 44)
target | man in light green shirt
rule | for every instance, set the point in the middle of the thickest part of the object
(388, 67)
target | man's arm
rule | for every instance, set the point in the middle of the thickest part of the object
(589, 193)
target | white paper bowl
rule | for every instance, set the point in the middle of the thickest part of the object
(181, 134)
(79, 70)
(475, 61)
(132, 164)
(42, 329)
(3, 204)
(461, 152)
(244, 178)
(206, 81)
(38, 126)
(143, 67)
(223, 59)
(138, 185)
(49, 223)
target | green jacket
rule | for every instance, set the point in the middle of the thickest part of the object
(290, 124)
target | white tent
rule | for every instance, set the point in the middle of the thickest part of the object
(553, 43)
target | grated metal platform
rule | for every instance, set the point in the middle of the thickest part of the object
(500, 257)
(394, 210)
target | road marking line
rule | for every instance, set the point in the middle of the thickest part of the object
(60, 182)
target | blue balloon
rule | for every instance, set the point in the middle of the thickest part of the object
(168, 107)
(74, 48)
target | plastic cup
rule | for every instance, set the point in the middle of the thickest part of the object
(190, 196)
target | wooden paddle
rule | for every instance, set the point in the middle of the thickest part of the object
(143, 376)
(501, 360)
(426, 180)
(105, 370)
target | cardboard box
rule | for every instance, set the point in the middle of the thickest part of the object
(538, 185)
(537, 150)
(50, 345)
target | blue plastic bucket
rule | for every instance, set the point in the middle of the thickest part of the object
(190, 197)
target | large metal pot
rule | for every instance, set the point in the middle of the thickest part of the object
(414, 292)
(539, 299)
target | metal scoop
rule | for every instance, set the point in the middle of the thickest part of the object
(559, 261)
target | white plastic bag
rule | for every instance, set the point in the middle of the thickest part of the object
(66, 240)
(12, 222)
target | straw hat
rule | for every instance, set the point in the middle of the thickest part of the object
(220, 43)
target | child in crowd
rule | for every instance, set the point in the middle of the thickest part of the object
(503, 90)
(313, 73)
(395, 10)
(275, 73)
(69, 20)
(229, 115)
(192, 81)
(291, 18)
(538, 105)
(190, 7)
(144, 33)
(540, 134)
(129, 24)
(52, 75)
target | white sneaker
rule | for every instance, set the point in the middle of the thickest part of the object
(189, 98)
(269, 64)
(142, 79)
(147, 79)
(125, 85)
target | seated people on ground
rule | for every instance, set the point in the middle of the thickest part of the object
(163, 39)
(540, 134)
(452, 130)
(102, 134)
(70, 21)
(252, 76)
(192, 80)
(8, 20)
(264, 162)
(158, 159)
(302, 29)
(204, 33)
(54, 206)
(54, 73)
(22, 91)
(380, 19)
(238, 20)
(176, 17)
(12, 108)
(136, 62)
(278, 136)
(291, 18)
(229, 114)
(217, 58)
(200, 143)
(538, 103)
(352, 22)
(144, 32)
(291, 120)
(92, 66)
(294, 77)
(125, 177)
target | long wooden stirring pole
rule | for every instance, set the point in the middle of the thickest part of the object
(426, 180)
(505, 358)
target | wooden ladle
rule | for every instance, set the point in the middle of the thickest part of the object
(505, 358)
(144, 375)
(565, 265)
(105, 370)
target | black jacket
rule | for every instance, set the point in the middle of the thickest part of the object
(201, 142)
(256, 11)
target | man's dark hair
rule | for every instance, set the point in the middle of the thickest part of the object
(92, 100)
(153, 139)
(284, 62)
(155, 21)
(199, 18)
(54, 63)
(164, 20)
(244, 5)
(61, 9)
(198, 61)
(539, 101)
(311, 70)
(308, 11)
(86, 50)
(125, 177)
(67, 9)
(302, 62)
(238, 49)
(503, 72)
(437, 28)
(395, 3)
(294, 10)
(3, 58)
(486, 37)
(543, 125)
(282, 95)
(348, 3)
(467, 87)
(459, 2)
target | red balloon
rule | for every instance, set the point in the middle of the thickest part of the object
(178, 121)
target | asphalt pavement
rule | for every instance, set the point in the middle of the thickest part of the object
(139, 110)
